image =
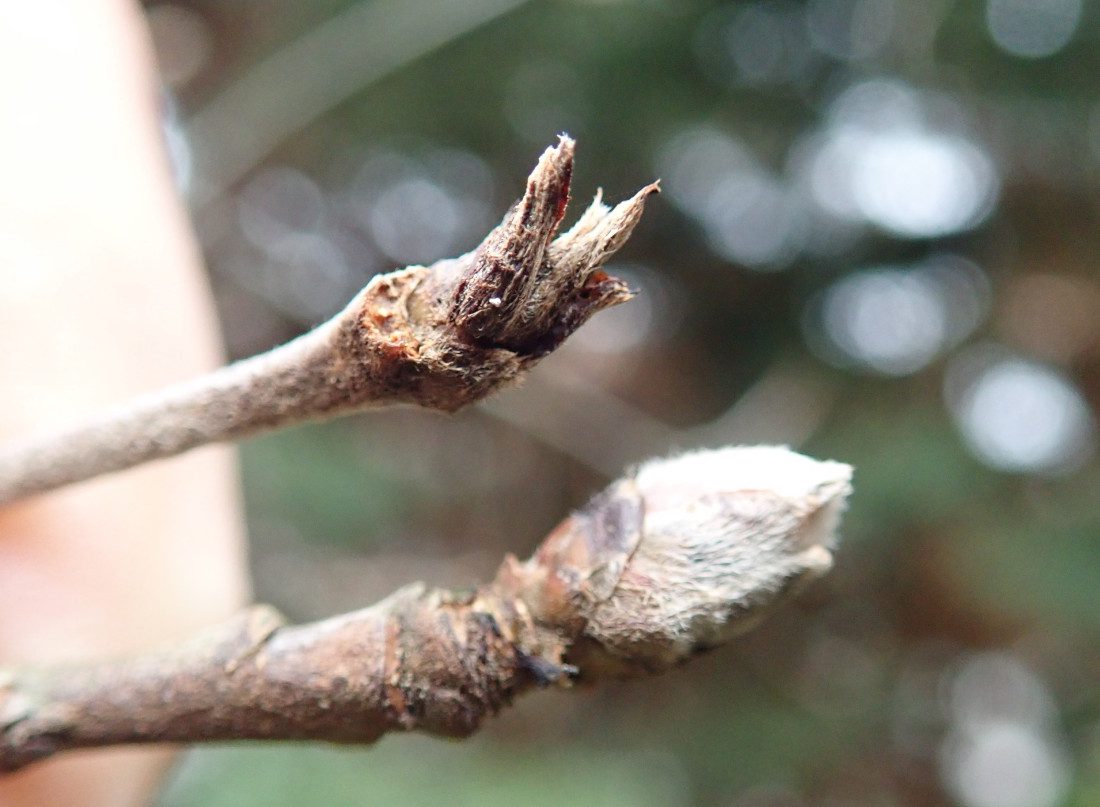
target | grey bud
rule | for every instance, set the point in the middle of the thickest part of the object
(723, 535)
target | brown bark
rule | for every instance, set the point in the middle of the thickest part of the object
(659, 567)
(440, 336)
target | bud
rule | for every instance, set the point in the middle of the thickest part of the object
(686, 553)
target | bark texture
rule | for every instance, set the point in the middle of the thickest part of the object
(440, 336)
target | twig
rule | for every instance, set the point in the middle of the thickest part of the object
(440, 336)
(662, 565)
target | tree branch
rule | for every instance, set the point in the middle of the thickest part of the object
(664, 564)
(440, 336)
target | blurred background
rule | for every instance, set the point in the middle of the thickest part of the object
(877, 243)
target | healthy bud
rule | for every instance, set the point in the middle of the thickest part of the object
(684, 554)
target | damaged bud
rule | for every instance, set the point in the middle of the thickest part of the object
(527, 292)
(683, 555)
(446, 335)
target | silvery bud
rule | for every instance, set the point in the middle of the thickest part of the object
(685, 553)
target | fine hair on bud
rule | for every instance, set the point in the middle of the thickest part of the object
(692, 550)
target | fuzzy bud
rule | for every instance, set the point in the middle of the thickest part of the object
(686, 553)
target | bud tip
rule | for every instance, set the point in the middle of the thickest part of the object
(725, 534)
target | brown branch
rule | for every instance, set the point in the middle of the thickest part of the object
(440, 336)
(662, 565)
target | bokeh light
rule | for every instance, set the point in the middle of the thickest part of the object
(277, 202)
(748, 213)
(420, 208)
(1018, 415)
(881, 159)
(1004, 749)
(1032, 28)
(888, 321)
(920, 184)
(851, 29)
(756, 44)
(895, 320)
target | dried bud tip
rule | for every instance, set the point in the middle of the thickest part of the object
(547, 193)
(526, 292)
